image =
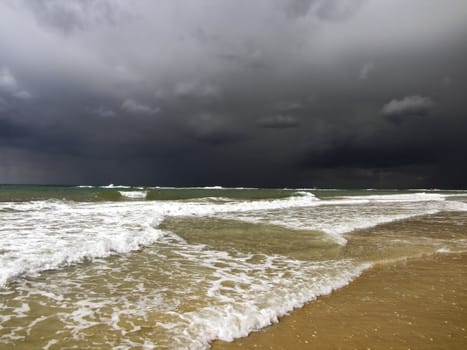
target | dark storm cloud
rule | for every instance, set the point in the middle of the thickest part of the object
(279, 121)
(261, 93)
(370, 155)
(212, 129)
(9, 131)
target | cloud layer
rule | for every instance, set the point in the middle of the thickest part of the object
(409, 105)
(241, 93)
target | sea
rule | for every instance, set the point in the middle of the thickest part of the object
(125, 267)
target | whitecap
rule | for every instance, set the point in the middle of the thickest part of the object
(133, 194)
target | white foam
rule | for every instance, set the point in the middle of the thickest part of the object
(50, 343)
(115, 186)
(406, 197)
(195, 209)
(49, 234)
(345, 214)
(258, 296)
(133, 194)
(202, 188)
(305, 194)
(443, 250)
(258, 292)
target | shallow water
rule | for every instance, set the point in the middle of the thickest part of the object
(134, 272)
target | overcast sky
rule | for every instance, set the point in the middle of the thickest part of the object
(288, 93)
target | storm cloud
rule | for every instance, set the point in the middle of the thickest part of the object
(236, 93)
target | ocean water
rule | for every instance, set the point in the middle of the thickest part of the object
(119, 267)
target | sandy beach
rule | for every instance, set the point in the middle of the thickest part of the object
(414, 304)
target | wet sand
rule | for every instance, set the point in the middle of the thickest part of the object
(414, 304)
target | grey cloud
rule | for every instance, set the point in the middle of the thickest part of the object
(22, 94)
(446, 81)
(3, 104)
(245, 57)
(7, 80)
(9, 84)
(279, 121)
(323, 9)
(104, 112)
(196, 90)
(68, 16)
(289, 106)
(365, 71)
(297, 8)
(10, 130)
(409, 105)
(131, 106)
(338, 9)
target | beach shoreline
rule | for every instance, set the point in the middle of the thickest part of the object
(131, 272)
(419, 303)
